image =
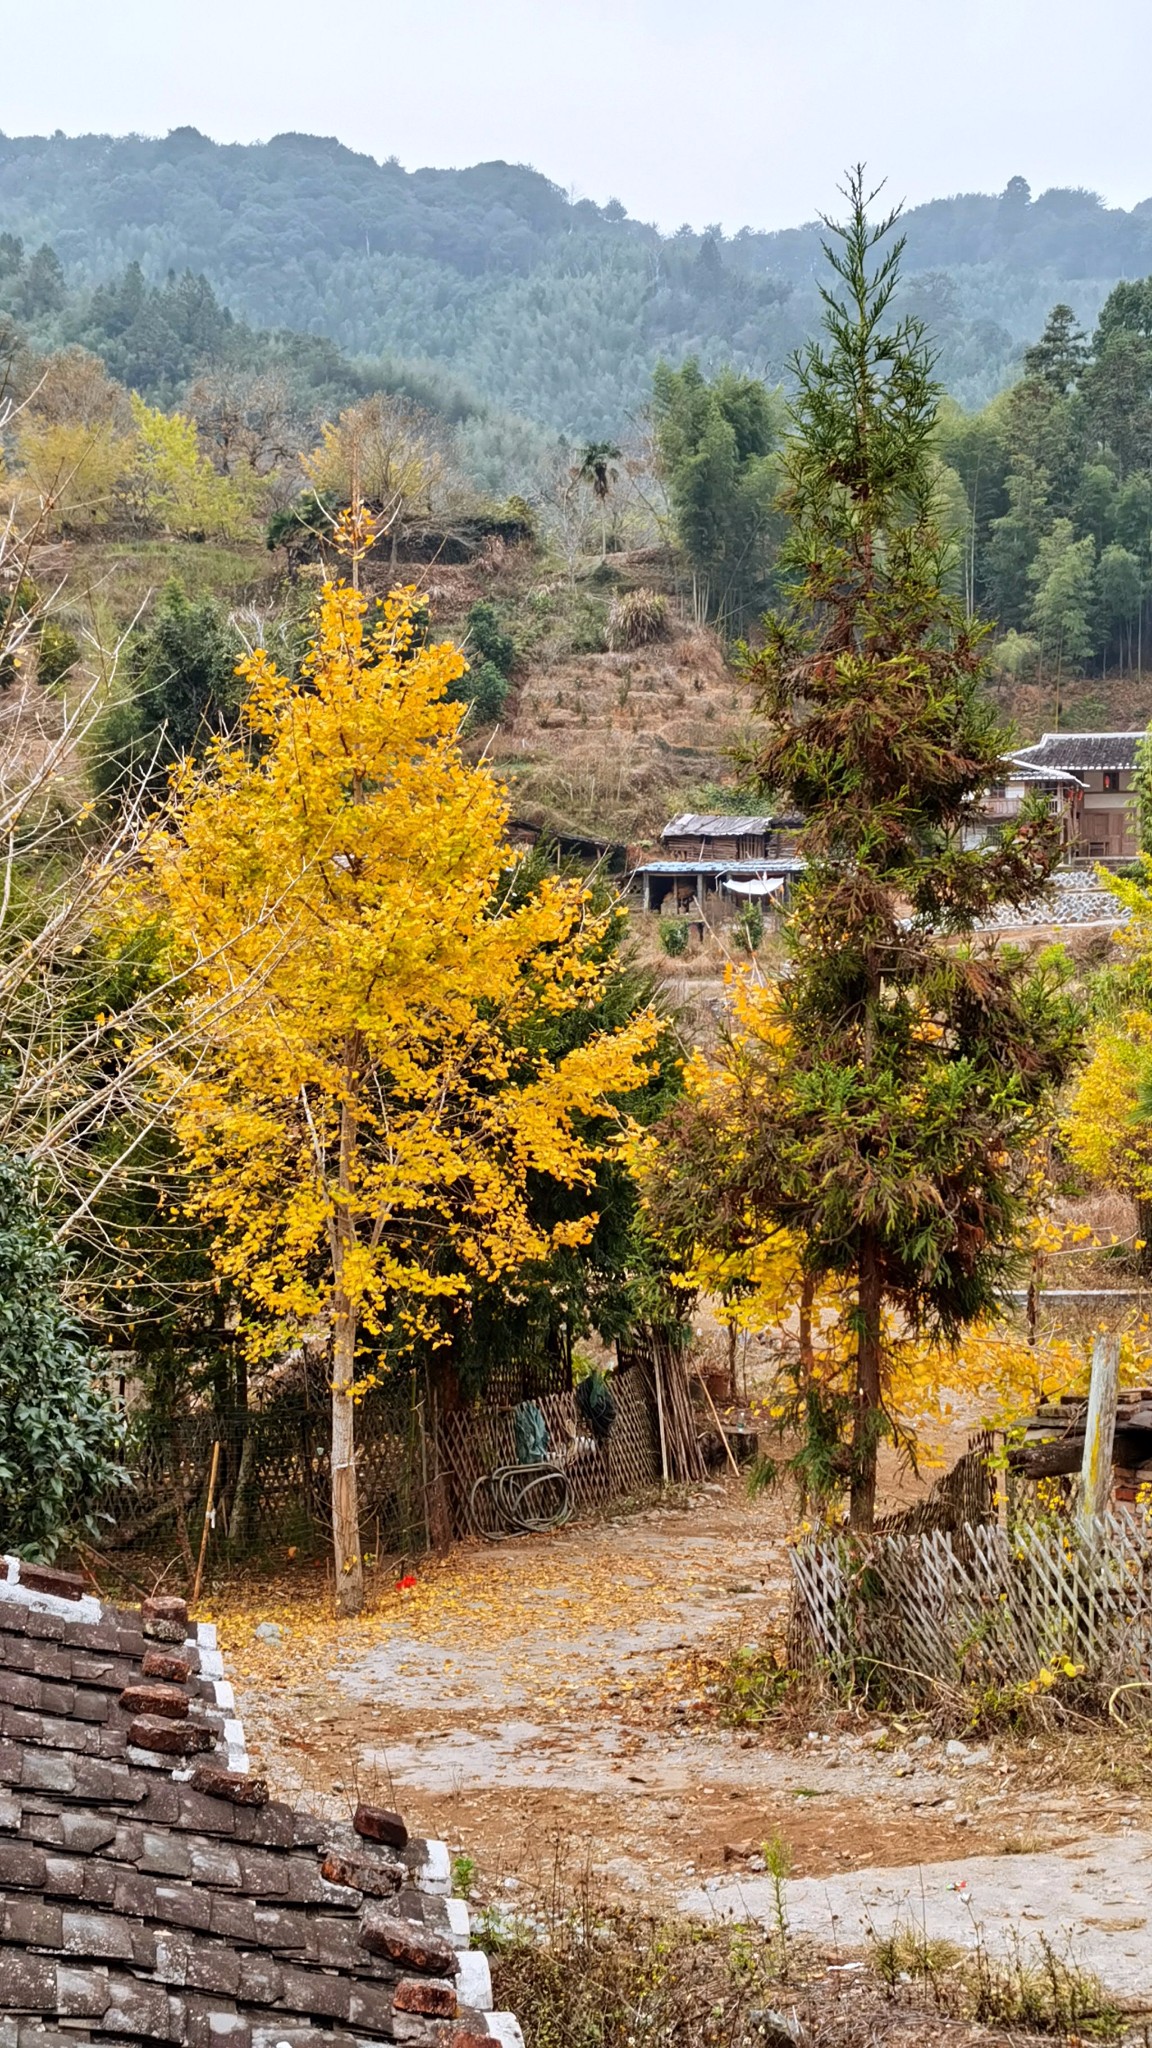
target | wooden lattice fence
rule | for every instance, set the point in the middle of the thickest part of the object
(274, 1472)
(416, 1467)
(475, 1441)
(902, 1617)
(963, 1496)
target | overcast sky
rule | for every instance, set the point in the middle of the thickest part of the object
(738, 111)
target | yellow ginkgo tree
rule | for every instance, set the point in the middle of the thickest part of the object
(365, 1095)
(1108, 1129)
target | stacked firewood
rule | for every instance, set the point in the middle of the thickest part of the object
(1054, 1441)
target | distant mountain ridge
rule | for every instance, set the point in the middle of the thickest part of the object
(553, 308)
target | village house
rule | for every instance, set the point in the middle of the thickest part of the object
(1099, 802)
(738, 857)
(1020, 779)
(1087, 779)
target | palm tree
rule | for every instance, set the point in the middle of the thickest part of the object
(595, 468)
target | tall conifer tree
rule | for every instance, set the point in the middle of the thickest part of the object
(881, 1111)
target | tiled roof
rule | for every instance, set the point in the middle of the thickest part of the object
(151, 1892)
(1082, 750)
(715, 825)
(1018, 768)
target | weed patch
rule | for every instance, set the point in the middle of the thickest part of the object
(1034, 1988)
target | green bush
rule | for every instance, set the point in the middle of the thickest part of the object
(674, 935)
(184, 690)
(59, 653)
(60, 1435)
(493, 651)
(485, 689)
(748, 928)
(589, 628)
(490, 639)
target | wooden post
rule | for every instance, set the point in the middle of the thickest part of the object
(208, 1514)
(660, 1414)
(1099, 1431)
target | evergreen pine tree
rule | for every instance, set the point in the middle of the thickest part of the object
(904, 1067)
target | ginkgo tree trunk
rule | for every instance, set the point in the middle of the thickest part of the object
(363, 1116)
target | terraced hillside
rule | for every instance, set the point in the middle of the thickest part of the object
(591, 741)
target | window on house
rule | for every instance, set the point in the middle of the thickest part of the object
(1111, 778)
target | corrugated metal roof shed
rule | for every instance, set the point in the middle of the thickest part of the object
(785, 864)
(717, 825)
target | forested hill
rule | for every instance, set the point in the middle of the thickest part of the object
(550, 308)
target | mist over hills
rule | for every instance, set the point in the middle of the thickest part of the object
(549, 307)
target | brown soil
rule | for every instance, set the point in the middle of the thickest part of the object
(559, 1691)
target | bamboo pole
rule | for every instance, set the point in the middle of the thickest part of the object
(656, 1374)
(728, 1451)
(208, 1517)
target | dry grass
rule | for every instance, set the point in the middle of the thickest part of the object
(582, 1974)
(606, 742)
(118, 578)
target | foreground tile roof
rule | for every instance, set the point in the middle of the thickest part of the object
(150, 1891)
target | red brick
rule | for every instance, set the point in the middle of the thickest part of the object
(43, 1578)
(378, 1824)
(402, 1941)
(164, 1607)
(166, 1700)
(431, 1995)
(162, 1664)
(235, 1786)
(169, 1738)
(379, 1879)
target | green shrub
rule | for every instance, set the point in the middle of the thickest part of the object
(748, 928)
(59, 653)
(489, 638)
(588, 633)
(182, 691)
(60, 1435)
(485, 689)
(674, 936)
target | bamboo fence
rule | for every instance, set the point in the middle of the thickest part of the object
(903, 1617)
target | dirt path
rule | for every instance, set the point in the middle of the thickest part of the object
(550, 1699)
(1091, 1903)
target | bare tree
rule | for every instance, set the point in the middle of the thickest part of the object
(246, 419)
(386, 452)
